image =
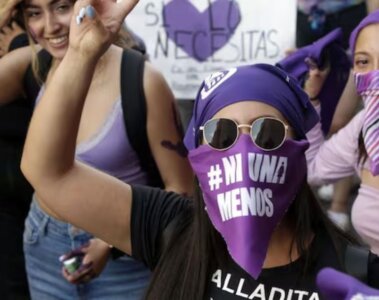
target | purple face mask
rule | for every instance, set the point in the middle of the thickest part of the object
(368, 87)
(247, 192)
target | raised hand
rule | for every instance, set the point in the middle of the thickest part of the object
(95, 24)
(7, 11)
(7, 35)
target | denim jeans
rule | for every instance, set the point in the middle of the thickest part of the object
(13, 283)
(45, 239)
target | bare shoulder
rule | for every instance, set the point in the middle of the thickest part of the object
(155, 86)
(152, 75)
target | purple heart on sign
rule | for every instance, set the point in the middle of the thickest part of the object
(200, 34)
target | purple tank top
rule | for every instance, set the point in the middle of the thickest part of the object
(110, 150)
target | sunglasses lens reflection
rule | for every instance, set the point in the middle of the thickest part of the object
(266, 133)
(220, 133)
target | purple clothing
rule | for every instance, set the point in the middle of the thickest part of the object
(110, 150)
(336, 285)
(338, 157)
(335, 158)
(364, 216)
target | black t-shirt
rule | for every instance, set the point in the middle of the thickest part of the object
(153, 210)
(15, 190)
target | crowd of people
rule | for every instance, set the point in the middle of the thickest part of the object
(118, 203)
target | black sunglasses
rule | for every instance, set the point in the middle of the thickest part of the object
(267, 133)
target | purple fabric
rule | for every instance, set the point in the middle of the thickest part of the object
(213, 27)
(247, 191)
(368, 87)
(295, 64)
(370, 19)
(260, 82)
(367, 83)
(110, 150)
(339, 286)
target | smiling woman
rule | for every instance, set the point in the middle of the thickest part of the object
(102, 142)
(49, 24)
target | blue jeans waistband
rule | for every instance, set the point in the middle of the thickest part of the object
(41, 218)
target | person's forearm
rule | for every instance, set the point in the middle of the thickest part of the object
(54, 126)
(334, 158)
(13, 67)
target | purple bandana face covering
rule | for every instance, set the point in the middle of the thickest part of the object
(247, 191)
(368, 87)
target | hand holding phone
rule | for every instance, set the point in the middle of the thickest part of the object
(72, 264)
(86, 262)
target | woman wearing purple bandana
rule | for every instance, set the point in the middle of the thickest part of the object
(252, 231)
(354, 149)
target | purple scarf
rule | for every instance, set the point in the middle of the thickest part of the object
(339, 286)
(330, 93)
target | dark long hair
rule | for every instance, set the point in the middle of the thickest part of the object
(195, 248)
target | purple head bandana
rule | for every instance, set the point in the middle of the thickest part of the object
(295, 64)
(260, 82)
(339, 286)
(370, 19)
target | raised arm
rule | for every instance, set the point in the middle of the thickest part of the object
(346, 107)
(7, 11)
(335, 158)
(12, 71)
(12, 65)
(78, 194)
(165, 134)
